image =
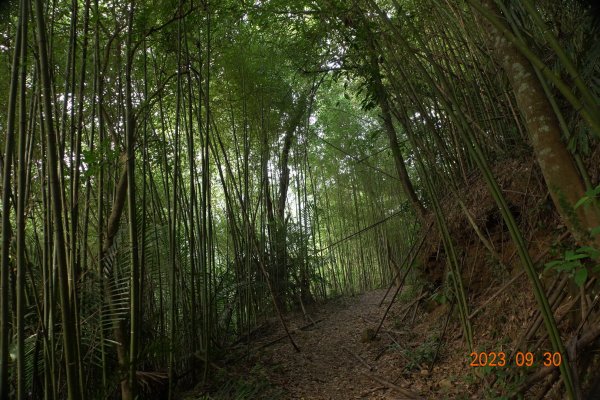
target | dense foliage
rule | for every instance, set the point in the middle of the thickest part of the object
(176, 172)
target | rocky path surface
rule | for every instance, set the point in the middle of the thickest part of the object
(340, 360)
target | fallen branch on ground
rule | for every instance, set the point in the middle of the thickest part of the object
(280, 338)
(407, 395)
(359, 358)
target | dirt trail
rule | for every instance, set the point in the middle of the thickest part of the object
(329, 365)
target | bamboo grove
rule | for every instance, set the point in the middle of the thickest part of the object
(173, 173)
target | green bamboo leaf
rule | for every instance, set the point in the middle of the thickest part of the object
(572, 256)
(551, 264)
(589, 251)
(582, 201)
(581, 276)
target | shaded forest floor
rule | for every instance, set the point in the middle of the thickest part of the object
(339, 359)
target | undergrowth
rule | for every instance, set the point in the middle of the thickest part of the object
(423, 354)
(252, 385)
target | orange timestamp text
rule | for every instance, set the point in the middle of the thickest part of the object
(521, 359)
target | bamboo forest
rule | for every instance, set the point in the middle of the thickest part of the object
(300, 199)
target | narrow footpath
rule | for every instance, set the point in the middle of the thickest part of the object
(340, 359)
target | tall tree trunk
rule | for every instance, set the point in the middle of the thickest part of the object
(69, 337)
(407, 186)
(134, 286)
(560, 173)
(386, 116)
(6, 227)
(279, 269)
(118, 326)
(21, 197)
